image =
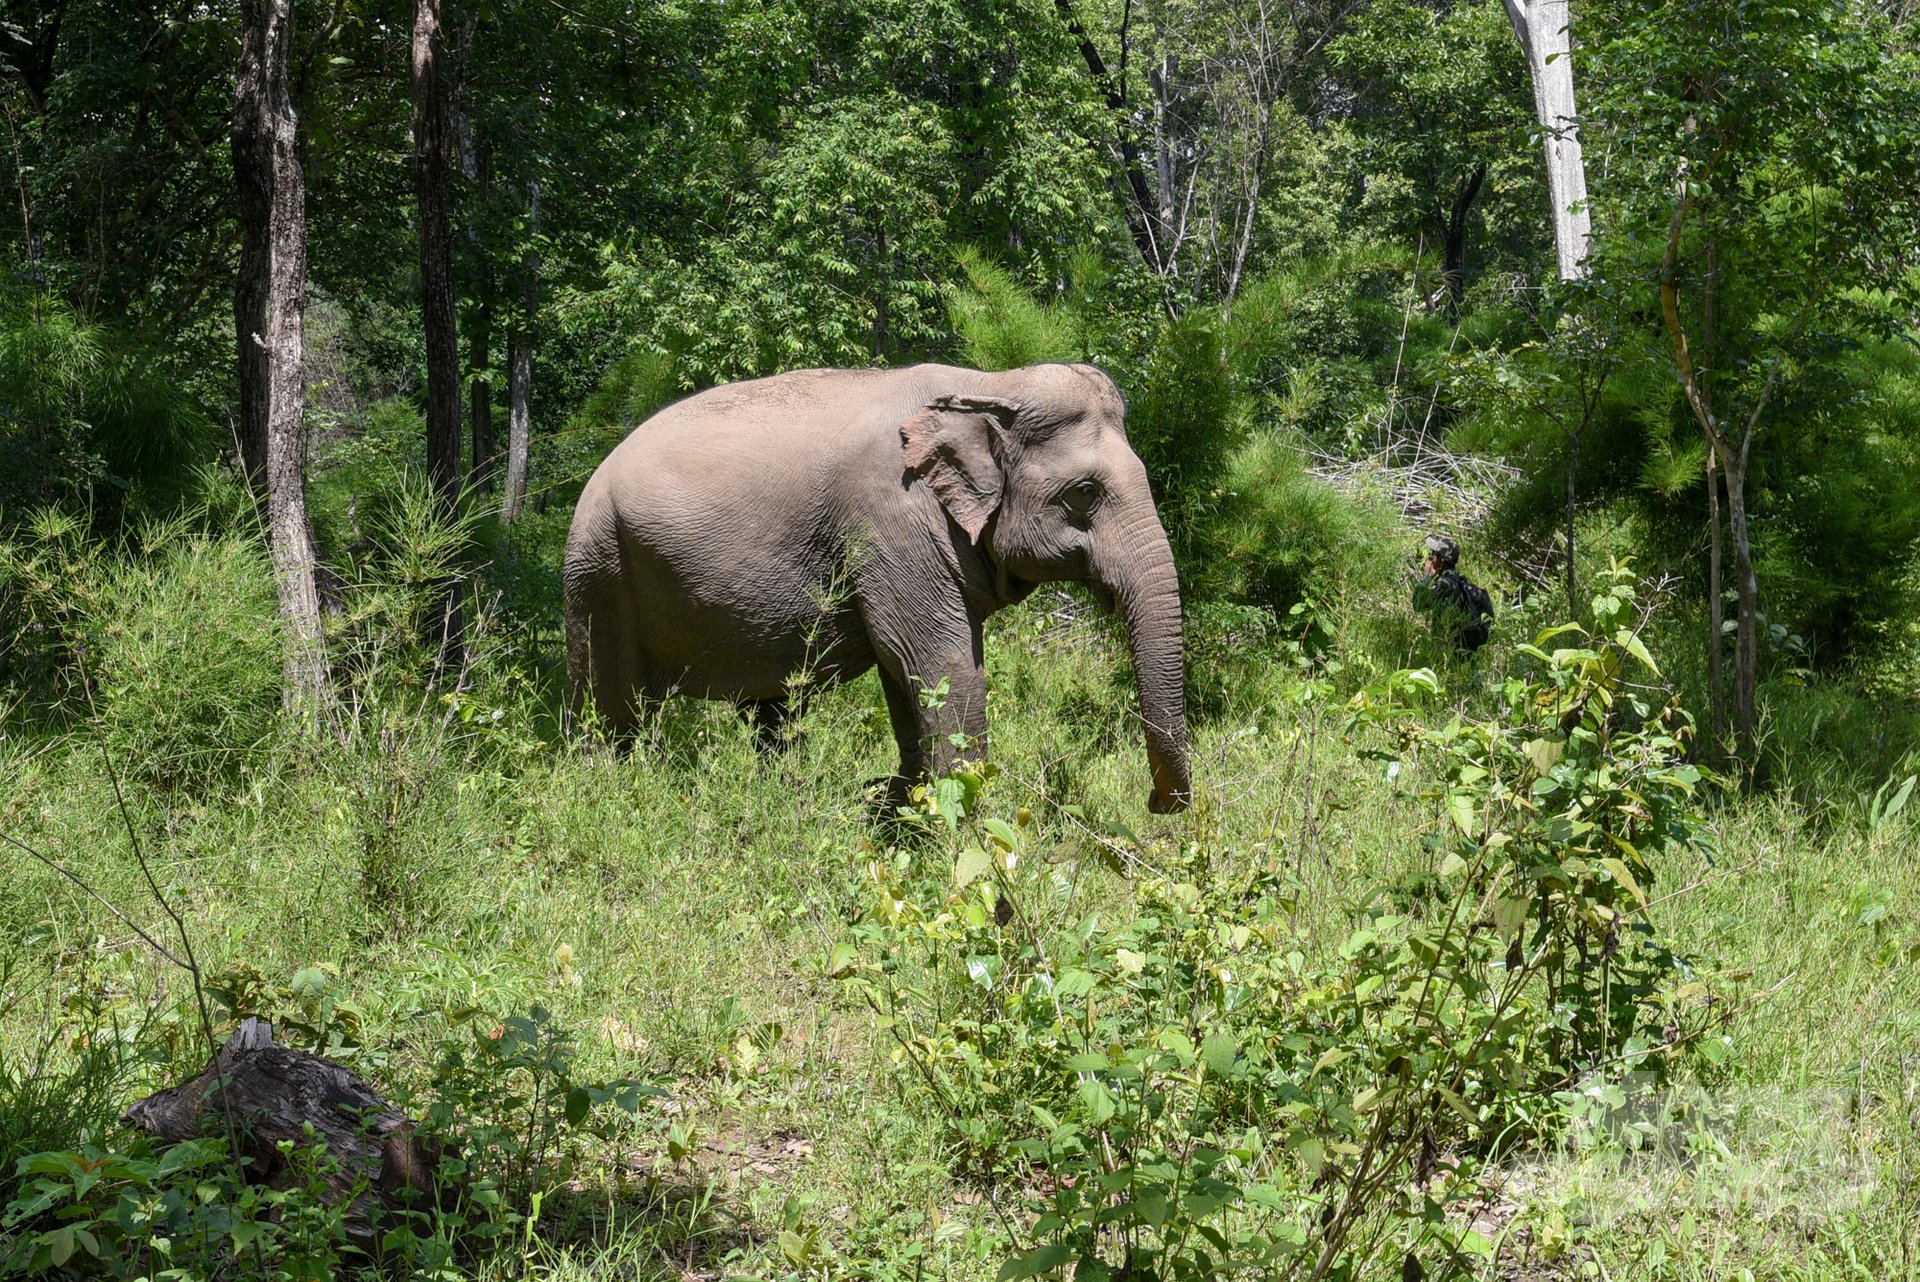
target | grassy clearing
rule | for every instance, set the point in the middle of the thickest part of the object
(442, 860)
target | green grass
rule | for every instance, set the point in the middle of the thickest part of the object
(676, 908)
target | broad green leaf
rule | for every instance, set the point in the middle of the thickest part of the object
(1624, 876)
(1510, 915)
(1634, 646)
(972, 864)
(1544, 754)
(1219, 1050)
(1042, 1259)
(1460, 810)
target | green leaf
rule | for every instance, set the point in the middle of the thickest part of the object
(1510, 915)
(1634, 646)
(579, 1103)
(972, 864)
(1129, 961)
(1544, 754)
(1001, 831)
(1219, 1050)
(309, 985)
(1097, 1101)
(841, 960)
(1042, 1259)
(1621, 874)
(1460, 810)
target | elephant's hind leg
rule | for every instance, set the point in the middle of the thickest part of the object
(769, 718)
(614, 678)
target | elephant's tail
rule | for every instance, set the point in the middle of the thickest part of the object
(573, 589)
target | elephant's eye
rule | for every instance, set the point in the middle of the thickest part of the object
(1081, 497)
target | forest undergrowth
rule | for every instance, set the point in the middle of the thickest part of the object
(1456, 969)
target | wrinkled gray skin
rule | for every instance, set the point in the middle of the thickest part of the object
(831, 521)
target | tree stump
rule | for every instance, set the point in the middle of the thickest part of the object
(275, 1094)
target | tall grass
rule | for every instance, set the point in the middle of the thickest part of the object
(442, 856)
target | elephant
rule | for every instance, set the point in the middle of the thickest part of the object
(828, 521)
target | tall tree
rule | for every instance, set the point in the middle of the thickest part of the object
(513, 497)
(1768, 145)
(1436, 98)
(1197, 93)
(433, 146)
(1546, 37)
(269, 301)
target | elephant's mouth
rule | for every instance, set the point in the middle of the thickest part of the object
(1102, 597)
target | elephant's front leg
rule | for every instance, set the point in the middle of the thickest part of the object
(939, 715)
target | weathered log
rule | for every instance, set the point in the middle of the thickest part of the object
(275, 1094)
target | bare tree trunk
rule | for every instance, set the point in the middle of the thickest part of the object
(520, 372)
(1746, 631)
(1716, 609)
(269, 303)
(433, 157)
(1453, 228)
(432, 182)
(1545, 37)
(513, 500)
(480, 398)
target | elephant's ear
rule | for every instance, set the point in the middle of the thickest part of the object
(952, 444)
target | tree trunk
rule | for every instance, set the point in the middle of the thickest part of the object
(432, 185)
(1453, 227)
(1746, 627)
(520, 372)
(480, 398)
(1545, 37)
(1716, 611)
(269, 303)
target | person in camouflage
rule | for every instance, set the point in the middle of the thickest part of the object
(1461, 610)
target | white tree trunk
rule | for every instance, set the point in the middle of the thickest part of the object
(1545, 36)
(269, 302)
(513, 499)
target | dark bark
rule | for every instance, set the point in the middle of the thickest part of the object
(433, 146)
(1453, 228)
(480, 398)
(1137, 200)
(269, 302)
(377, 1163)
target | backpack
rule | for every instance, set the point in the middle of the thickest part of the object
(1468, 604)
(1473, 633)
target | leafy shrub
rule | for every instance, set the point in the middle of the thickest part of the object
(175, 641)
(93, 421)
(1288, 536)
(1203, 1092)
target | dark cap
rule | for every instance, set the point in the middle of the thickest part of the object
(1444, 548)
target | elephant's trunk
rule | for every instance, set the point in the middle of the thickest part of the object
(1140, 575)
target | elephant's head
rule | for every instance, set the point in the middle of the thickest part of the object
(1034, 466)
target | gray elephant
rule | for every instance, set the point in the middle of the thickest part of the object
(828, 521)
